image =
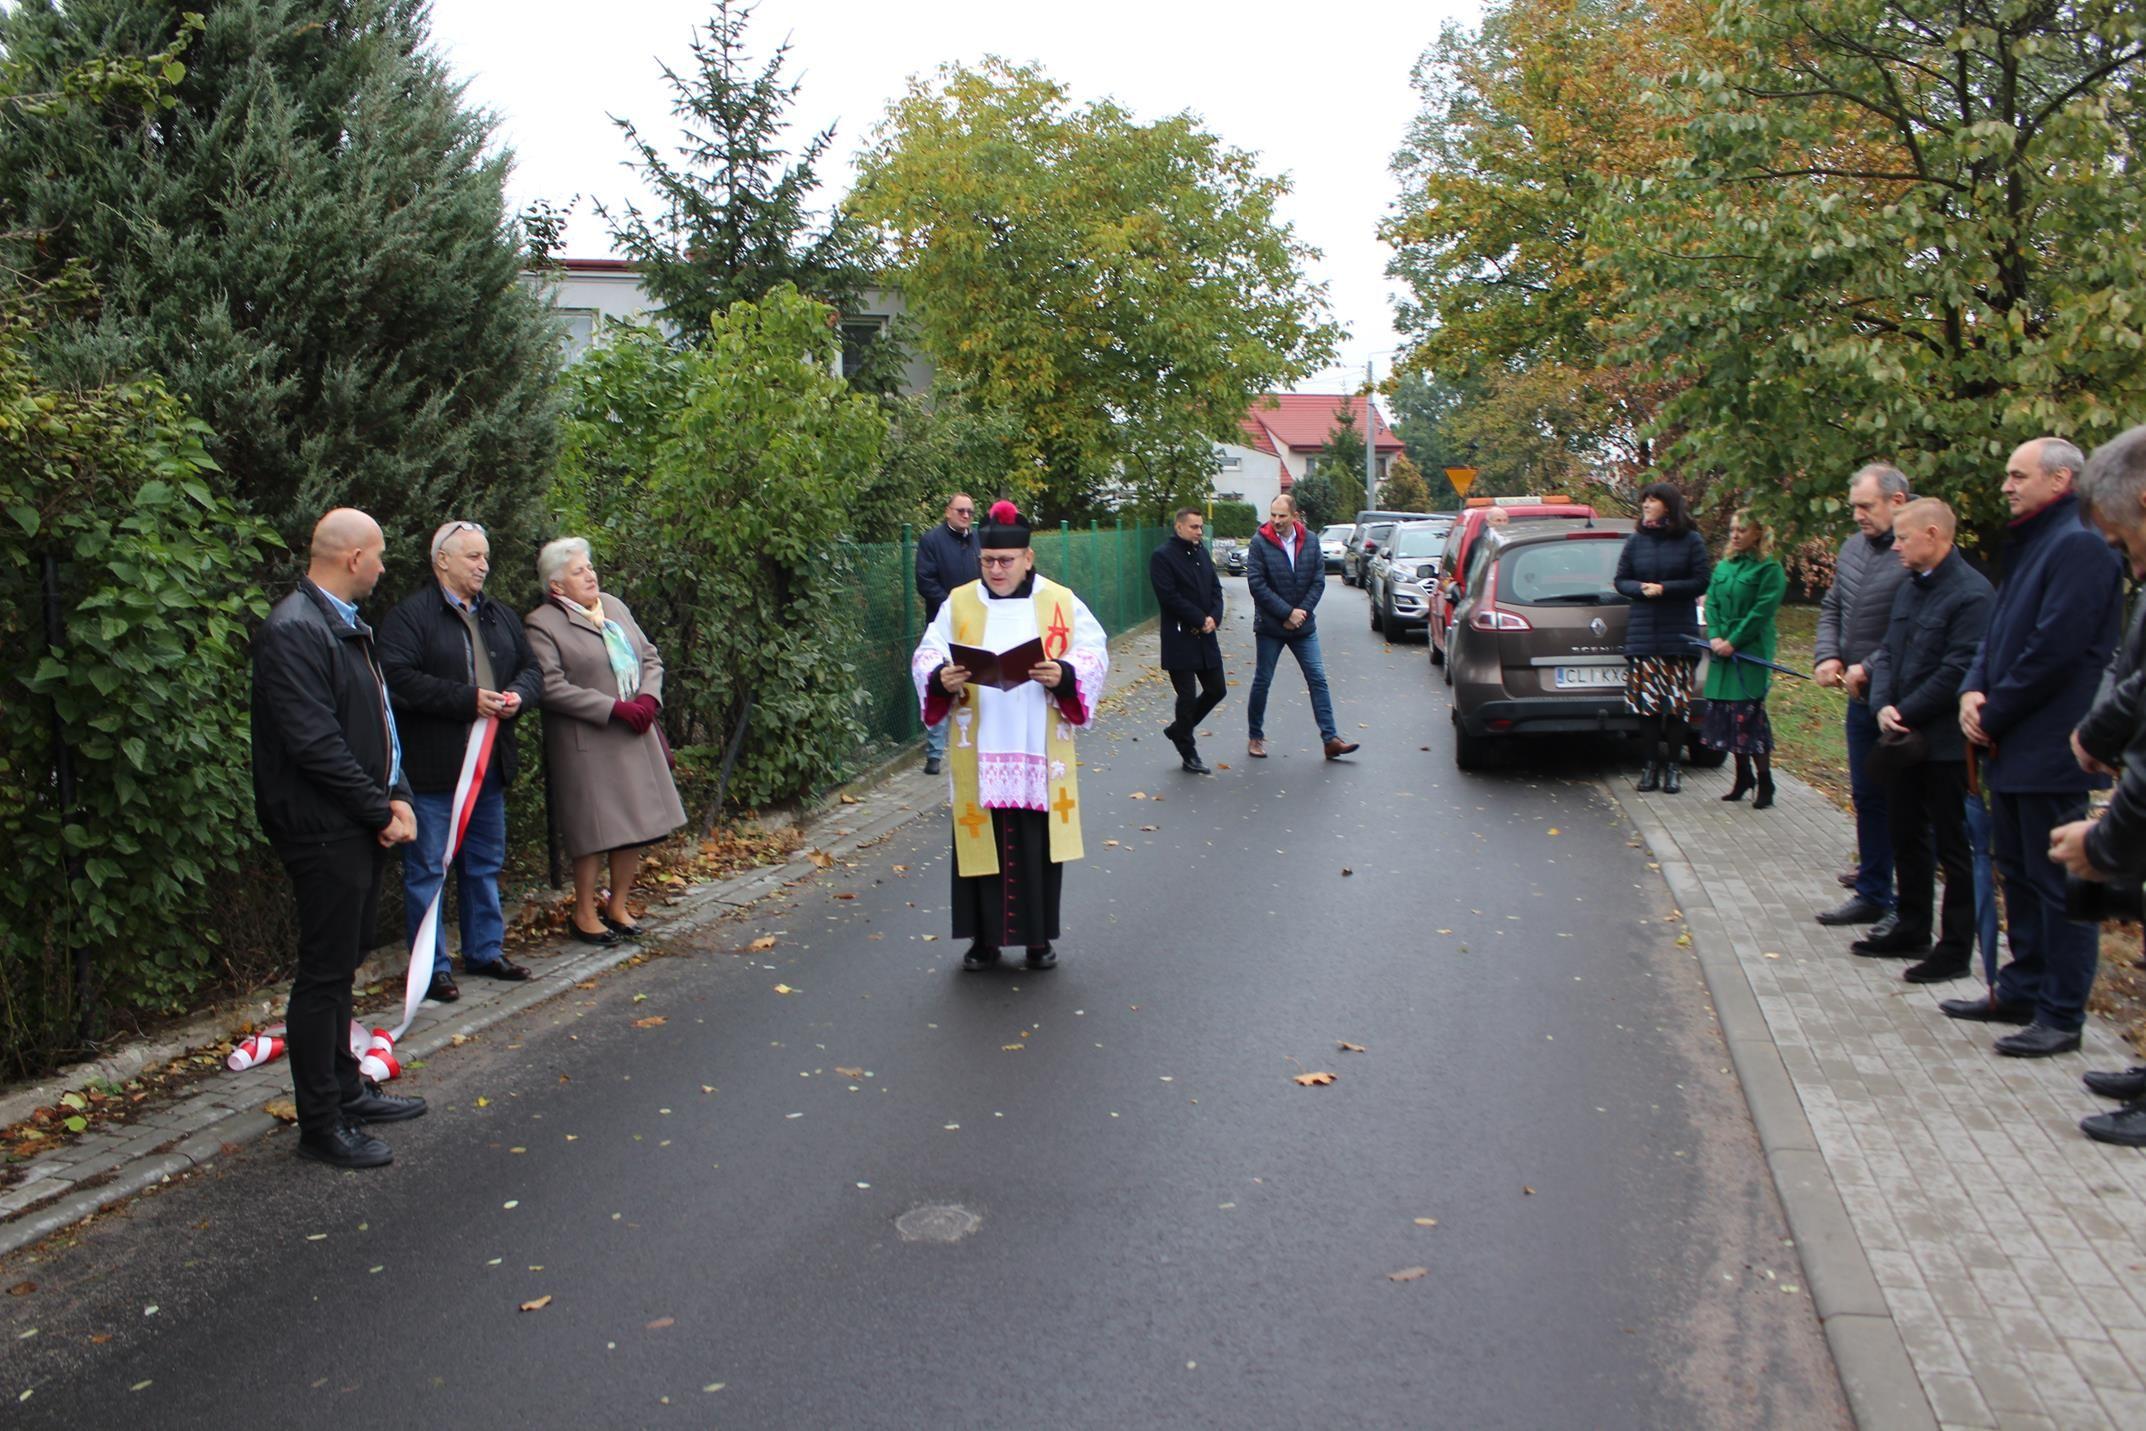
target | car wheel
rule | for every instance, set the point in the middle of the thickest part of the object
(1703, 757)
(1374, 609)
(1470, 752)
(1438, 657)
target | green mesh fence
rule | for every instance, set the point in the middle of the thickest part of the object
(1107, 567)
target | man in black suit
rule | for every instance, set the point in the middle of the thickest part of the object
(1190, 594)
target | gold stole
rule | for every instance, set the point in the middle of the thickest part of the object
(975, 852)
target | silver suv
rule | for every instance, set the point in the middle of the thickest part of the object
(1401, 575)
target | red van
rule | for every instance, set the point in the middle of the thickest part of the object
(1460, 543)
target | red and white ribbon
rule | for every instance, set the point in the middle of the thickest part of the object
(375, 1052)
(253, 1052)
(476, 758)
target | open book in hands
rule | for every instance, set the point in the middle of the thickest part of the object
(1001, 670)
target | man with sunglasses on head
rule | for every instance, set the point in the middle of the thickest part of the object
(946, 560)
(453, 656)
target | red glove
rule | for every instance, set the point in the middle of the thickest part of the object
(648, 703)
(634, 716)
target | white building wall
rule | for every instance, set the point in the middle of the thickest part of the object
(1254, 475)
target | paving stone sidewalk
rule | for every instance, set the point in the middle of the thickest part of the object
(2000, 1250)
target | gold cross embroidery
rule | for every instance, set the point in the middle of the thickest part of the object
(973, 822)
(1064, 807)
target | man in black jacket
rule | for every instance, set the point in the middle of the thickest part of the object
(453, 657)
(329, 788)
(2111, 849)
(1190, 594)
(947, 558)
(1939, 616)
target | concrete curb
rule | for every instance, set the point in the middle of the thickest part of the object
(1884, 1392)
(833, 827)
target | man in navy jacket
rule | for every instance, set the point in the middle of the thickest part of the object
(2050, 635)
(1190, 595)
(1287, 576)
(947, 558)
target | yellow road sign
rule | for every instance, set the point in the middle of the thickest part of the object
(1462, 478)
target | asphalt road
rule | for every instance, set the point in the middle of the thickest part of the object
(1156, 1225)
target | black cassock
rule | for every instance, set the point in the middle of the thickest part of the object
(1018, 906)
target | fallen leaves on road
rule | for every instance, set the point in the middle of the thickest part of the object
(538, 1305)
(1346, 871)
(784, 989)
(1147, 829)
(851, 1073)
(764, 942)
(1140, 795)
(1426, 1222)
(653, 1021)
(1684, 940)
(660, 1323)
(281, 1108)
(1315, 1080)
(1347, 1047)
(1527, 1192)
(22, 1289)
(821, 859)
(1408, 1274)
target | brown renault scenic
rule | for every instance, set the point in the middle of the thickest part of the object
(1538, 638)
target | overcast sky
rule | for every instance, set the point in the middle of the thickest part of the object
(1321, 95)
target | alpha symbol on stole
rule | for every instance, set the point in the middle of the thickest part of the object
(973, 822)
(1055, 635)
(1064, 807)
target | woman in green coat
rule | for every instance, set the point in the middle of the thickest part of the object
(1741, 599)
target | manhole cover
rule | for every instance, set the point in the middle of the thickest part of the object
(937, 1222)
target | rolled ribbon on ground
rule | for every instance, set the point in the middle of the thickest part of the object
(476, 758)
(253, 1052)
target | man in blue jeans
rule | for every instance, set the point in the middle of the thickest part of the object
(1287, 575)
(451, 656)
(1851, 625)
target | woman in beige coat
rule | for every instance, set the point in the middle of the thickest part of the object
(610, 774)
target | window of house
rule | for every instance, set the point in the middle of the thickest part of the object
(577, 330)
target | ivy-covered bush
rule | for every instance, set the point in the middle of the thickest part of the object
(146, 688)
(714, 483)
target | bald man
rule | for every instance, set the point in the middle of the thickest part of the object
(329, 788)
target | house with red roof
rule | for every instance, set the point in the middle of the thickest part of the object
(1285, 434)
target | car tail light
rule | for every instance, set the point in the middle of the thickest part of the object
(1487, 616)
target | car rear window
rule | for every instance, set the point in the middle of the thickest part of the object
(1568, 573)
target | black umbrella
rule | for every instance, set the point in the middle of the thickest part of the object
(1706, 646)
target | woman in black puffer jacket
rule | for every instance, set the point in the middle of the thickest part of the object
(1663, 571)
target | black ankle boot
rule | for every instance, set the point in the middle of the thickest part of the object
(1743, 780)
(1765, 798)
(1652, 779)
(1672, 779)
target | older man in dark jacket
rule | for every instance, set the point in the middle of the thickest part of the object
(1851, 624)
(2111, 740)
(332, 798)
(1939, 616)
(1190, 594)
(2051, 632)
(1287, 576)
(453, 656)
(947, 558)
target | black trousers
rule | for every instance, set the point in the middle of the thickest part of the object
(1198, 692)
(1926, 808)
(1018, 905)
(338, 888)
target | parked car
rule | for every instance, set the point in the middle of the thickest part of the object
(1334, 543)
(1364, 543)
(1402, 575)
(1538, 646)
(1353, 559)
(1460, 542)
(1233, 560)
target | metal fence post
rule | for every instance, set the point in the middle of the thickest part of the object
(1117, 576)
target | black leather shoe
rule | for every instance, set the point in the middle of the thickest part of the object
(1672, 779)
(1650, 779)
(931, 766)
(504, 968)
(378, 1107)
(348, 1146)
(2130, 1085)
(1892, 946)
(1885, 928)
(442, 989)
(619, 927)
(1196, 766)
(1044, 958)
(1855, 911)
(600, 937)
(1983, 1010)
(2038, 1041)
(980, 956)
(2126, 1127)
(1764, 799)
(1937, 969)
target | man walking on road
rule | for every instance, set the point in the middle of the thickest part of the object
(2051, 632)
(1190, 595)
(1851, 624)
(329, 788)
(453, 657)
(1287, 576)
(946, 559)
(1939, 616)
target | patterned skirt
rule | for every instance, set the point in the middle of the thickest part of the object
(1659, 685)
(1738, 727)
